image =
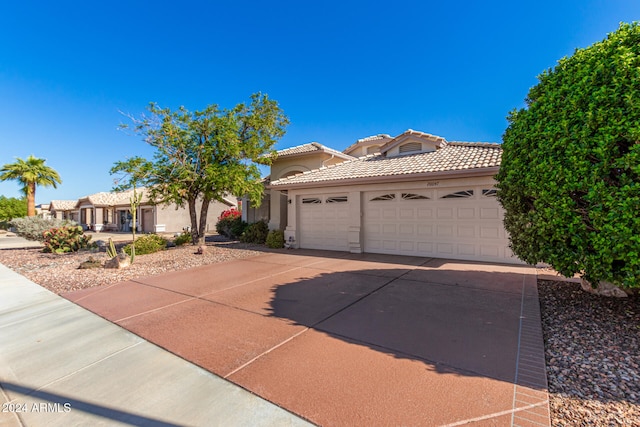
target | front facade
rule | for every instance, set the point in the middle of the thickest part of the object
(64, 209)
(417, 195)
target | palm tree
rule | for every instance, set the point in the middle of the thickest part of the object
(29, 173)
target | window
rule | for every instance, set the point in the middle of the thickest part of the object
(489, 193)
(410, 147)
(459, 195)
(337, 199)
(384, 197)
(311, 201)
(413, 196)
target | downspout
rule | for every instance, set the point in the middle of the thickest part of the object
(330, 158)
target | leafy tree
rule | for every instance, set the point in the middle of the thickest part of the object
(204, 155)
(30, 173)
(570, 174)
(11, 208)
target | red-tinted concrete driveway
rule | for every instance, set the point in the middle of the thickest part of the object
(344, 339)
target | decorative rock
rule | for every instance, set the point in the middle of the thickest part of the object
(121, 261)
(90, 263)
(605, 289)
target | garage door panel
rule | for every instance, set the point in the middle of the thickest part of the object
(466, 213)
(406, 229)
(466, 231)
(489, 213)
(425, 229)
(425, 213)
(389, 229)
(444, 230)
(406, 214)
(444, 213)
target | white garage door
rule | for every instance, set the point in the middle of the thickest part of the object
(462, 223)
(324, 221)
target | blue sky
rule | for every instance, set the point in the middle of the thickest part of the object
(341, 70)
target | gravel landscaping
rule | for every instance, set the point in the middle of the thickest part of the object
(591, 342)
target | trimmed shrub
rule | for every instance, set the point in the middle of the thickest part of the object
(230, 224)
(255, 233)
(65, 239)
(275, 239)
(183, 239)
(570, 175)
(33, 227)
(147, 244)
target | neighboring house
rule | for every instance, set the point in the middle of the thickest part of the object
(43, 211)
(111, 211)
(64, 209)
(419, 195)
(289, 162)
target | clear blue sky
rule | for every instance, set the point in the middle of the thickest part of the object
(341, 70)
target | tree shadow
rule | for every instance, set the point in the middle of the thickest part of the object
(466, 322)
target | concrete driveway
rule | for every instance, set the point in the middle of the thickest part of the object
(346, 339)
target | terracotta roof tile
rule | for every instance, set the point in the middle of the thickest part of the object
(311, 148)
(454, 156)
(63, 205)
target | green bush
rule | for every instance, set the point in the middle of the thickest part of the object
(183, 239)
(32, 227)
(65, 239)
(147, 244)
(570, 175)
(275, 239)
(255, 233)
(230, 224)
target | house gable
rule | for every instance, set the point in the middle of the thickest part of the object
(412, 142)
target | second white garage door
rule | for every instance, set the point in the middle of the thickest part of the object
(461, 223)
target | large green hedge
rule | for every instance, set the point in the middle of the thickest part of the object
(570, 174)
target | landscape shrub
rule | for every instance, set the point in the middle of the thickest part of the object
(65, 239)
(33, 227)
(275, 239)
(230, 224)
(255, 233)
(183, 239)
(147, 244)
(569, 180)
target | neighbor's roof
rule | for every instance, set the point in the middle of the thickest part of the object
(113, 198)
(453, 157)
(312, 147)
(63, 205)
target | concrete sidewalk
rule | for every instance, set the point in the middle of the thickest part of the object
(11, 241)
(61, 365)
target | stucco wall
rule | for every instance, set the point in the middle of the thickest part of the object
(170, 220)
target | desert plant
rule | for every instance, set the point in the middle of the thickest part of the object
(183, 239)
(111, 250)
(570, 175)
(275, 239)
(32, 227)
(255, 233)
(146, 244)
(230, 224)
(65, 239)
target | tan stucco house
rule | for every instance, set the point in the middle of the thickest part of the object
(111, 211)
(413, 194)
(64, 209)
(289, 162)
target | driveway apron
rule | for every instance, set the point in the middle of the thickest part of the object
(352, 339)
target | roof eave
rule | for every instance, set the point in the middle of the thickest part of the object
(461, 173)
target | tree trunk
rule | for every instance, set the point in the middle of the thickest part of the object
(204, 210)
(194, 221)
(31, 199)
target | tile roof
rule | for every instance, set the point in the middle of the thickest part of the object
(381, 138)
(63, 205)
(455, 156)
(311, 147)
(113, 198)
